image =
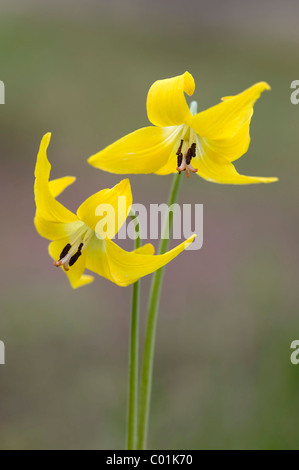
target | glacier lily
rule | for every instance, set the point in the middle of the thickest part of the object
(181, 139)
(76, 243)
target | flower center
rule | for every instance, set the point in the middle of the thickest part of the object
(73, 250)
(185, 154)
(187, 148)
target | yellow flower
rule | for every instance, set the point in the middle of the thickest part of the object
(212, 139)
(76, 238)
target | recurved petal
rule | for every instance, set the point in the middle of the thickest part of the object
(147, 249)
(143, 151)
(75, 273)
(98, 261)
(127, 267)
(212, 166)
(46, 205)
(58, 185)
(166, 103)
(97, 257)
(106, 211)
(225, 119)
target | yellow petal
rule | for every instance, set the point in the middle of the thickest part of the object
(60, 184)
(229, 149)
(166, 103)
(112, 205)
(75, 273)
(55, 230)
(225, 119)
(47, 206)
(127, 267)
(171, 164)
(97, 257)
(147, 249)
(143, 151)
(215, 168)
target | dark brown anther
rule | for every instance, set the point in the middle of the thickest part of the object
(180, 159)
(188, 156)
(193, 150)
(77, 255)
(179, 151)
(65, 251)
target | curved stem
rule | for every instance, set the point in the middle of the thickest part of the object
(150, 335)
(133, 355)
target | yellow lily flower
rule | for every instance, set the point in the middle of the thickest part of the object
(212, 139)
(76, 239)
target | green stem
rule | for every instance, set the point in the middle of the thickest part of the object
(133, 355)
(151, 326)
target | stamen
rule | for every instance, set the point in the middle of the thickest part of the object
(184, 160)
(180, 159)
(70, 256)
(65, 251)
(76, 256)
(188, 156)
(180, 155)
(193, 150)
(73, 250)
(179, 151)
(193, 170)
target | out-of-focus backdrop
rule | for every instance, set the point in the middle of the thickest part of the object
(223, 376)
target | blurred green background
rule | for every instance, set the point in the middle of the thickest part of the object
(223, 377)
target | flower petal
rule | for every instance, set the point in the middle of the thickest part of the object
(166, 103)
(214, 167)
(75, 273)
(225, 119)
(229, 149)
(46, 205)
(127, 267)
(96, 258)
(147, 249)
(60, 184)
(143, 151)
(171, 164)
(55, 230)
(114, 204)
(98, 261)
